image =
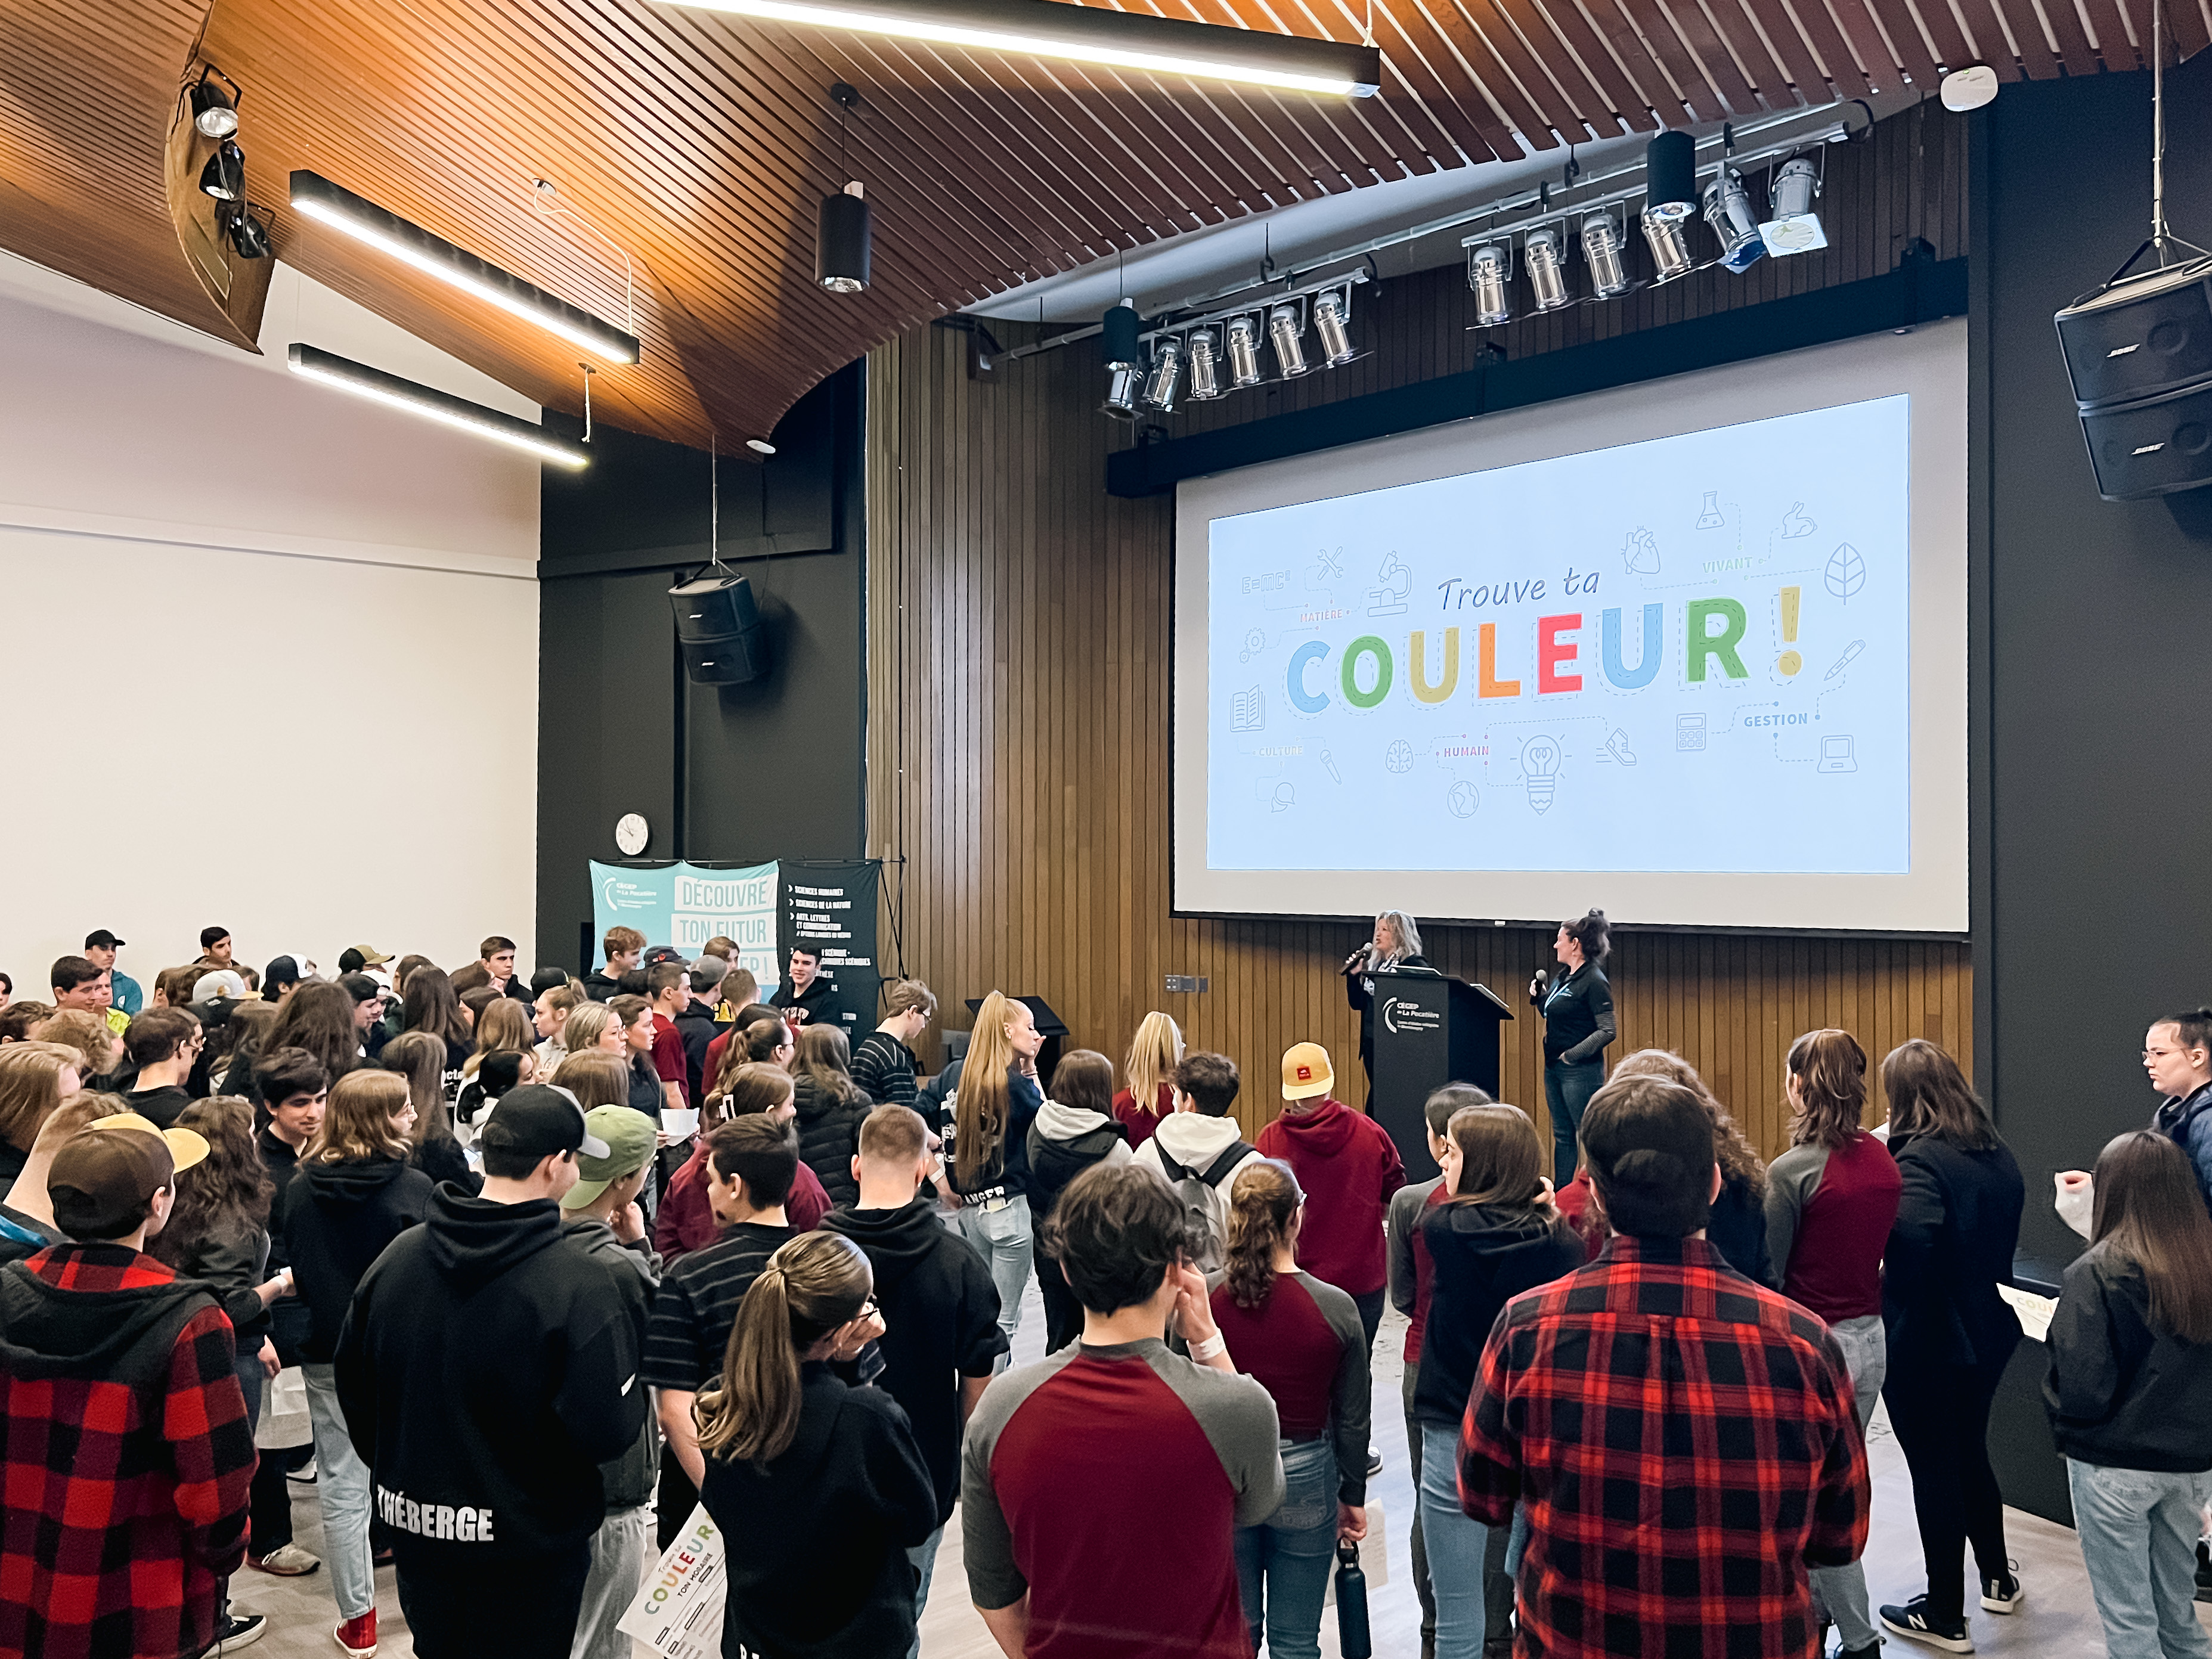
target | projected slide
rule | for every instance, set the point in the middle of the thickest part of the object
(1689, 654)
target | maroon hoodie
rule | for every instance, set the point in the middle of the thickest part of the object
(1349, 1168)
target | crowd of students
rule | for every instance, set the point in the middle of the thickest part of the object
(534, 1332)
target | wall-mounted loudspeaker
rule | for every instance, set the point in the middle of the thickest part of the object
(2139, 353)
(720, 630)
(2151, 446)
(2139, 338)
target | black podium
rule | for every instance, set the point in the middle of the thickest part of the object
(1430, 1030)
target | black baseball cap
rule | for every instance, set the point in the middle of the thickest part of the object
(283, 971)
(101, 939)
(538, 1119)
(661, 953)
(361, 987)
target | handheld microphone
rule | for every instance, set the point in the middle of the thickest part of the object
(1358, 959)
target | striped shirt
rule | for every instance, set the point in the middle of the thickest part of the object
(696, 1307)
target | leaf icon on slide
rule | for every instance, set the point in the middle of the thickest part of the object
(1846, 572)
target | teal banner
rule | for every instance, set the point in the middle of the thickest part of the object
(685, 905)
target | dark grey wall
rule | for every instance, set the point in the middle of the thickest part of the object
(2099, 876)
(737, 774)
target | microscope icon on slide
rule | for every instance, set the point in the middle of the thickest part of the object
(1397, 586)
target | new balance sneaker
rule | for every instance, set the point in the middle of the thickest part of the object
(2003, 1595)
(234, 1630)
(1915, 1623)
(357, 1636)
(285, 1561)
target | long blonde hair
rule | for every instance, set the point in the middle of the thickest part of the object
(1154, 1053)
(502, 1028)
(31, 1087)
(357, 1121)
(595, 1077)
(979, 1102)
(811, 1285)
(588, 1023)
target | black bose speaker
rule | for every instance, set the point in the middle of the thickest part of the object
(2152, 447)
(720, 630)
(2140, 337)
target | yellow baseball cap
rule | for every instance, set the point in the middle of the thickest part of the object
(1306, 1071)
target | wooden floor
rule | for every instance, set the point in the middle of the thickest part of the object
(2058, 1621)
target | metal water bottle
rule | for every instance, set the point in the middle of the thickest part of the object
(1352, 1638)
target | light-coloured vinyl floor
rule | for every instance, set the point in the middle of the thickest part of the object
(2058, 1621)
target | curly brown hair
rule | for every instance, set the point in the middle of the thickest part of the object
(1739, 1163)
(1263, 1209)
(226, 1196)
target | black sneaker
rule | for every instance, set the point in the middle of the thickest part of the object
(2003, 1595)
(1915, 1623)
(235, 1630)
(2203, 1571)
(1374, 1463)
(1871, 1651)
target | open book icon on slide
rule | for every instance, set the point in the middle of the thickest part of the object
(1248, 711)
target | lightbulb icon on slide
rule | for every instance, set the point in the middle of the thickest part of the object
(1539, 767)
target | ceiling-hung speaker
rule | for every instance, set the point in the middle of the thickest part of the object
(2151, 447)
(720, 630)
(2140, 337)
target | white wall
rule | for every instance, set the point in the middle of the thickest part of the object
(269, 652)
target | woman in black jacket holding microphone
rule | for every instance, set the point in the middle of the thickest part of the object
(1396, 943)
(1949, 1333)
(1578, 1025)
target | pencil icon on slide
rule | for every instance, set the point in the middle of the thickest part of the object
(1845, 661)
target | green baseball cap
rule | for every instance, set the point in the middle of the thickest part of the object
(630, 1137)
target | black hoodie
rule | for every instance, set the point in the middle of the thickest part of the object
(335, 1219)
(940, 1316)
(489, 1367)
(1480, 1257)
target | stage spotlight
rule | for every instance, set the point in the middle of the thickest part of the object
(1729, 211)
(1123, 353)
(224, 175)
(1544, 252)
(1670, 249)
(1243, 353)
(214, 111)
(1329, 320)
(1601, 253)
(1489, 269)
(1670, 177)
(841, 246)
(1794, 227)
(1205, 365)
(246, 234)
(1167, 375)
(1284, 328)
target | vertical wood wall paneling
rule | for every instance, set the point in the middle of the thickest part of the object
(1019, 637)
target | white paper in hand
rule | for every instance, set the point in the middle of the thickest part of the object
(678, 1613)
(680, 1123)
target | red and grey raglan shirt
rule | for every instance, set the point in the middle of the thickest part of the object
(1106, 1484)
(1686, 1446)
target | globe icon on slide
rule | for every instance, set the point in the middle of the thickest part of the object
(1399, 756)
(1462, 798)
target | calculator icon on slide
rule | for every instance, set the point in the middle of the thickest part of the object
(1689, 733)
(1836, 756)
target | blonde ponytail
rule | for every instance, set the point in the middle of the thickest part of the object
(811, 1286)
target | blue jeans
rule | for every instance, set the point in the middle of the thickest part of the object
(1455, 1544)
(1283, 1564)
(2138, 1531)
(1567, 1090)
(1002, 1238)
(342, 1489)
(1839, 1594)
(924, 1557)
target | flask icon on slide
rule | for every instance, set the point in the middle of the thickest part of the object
(1540, 766)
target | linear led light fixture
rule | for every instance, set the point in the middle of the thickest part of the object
(1094, 34)
(363, 381)
(338, 207)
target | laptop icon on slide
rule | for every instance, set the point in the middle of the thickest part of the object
(1836, 756)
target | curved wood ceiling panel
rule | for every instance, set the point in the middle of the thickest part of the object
(701, 144)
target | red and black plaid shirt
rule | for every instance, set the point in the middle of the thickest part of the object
(1686, 1446)
(125, 1505)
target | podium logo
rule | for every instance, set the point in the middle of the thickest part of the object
(1402, 1014)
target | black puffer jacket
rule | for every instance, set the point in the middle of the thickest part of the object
(830, 1134)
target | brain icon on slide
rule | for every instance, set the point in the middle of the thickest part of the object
(1399, 756)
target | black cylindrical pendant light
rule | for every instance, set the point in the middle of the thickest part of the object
(1118, 332)
(841, 246)
(1670, 177)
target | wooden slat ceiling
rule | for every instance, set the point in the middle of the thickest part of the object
(699, 144)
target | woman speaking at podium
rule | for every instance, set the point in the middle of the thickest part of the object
(1577, 1009)
(1396, 943)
